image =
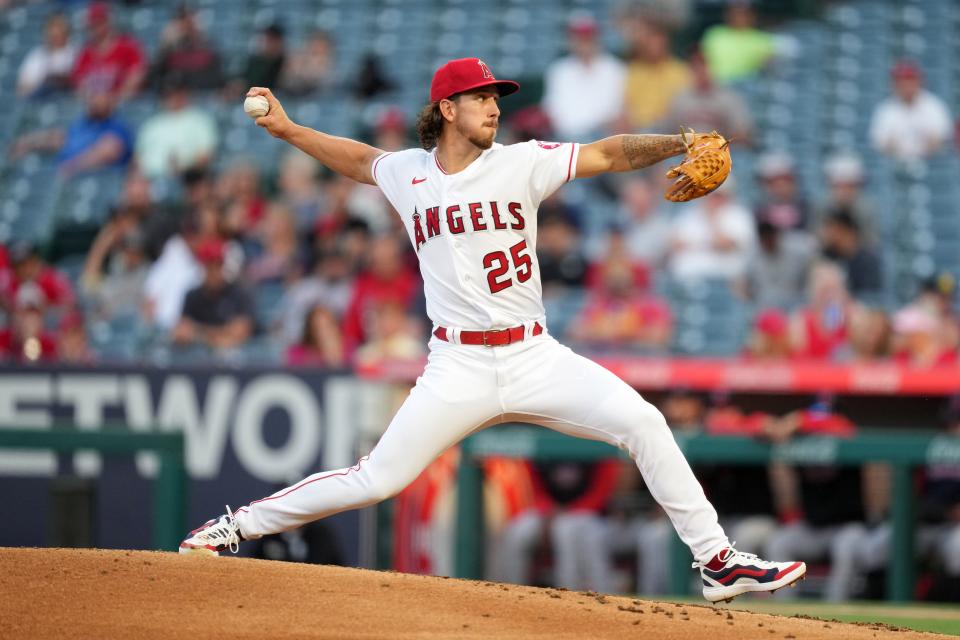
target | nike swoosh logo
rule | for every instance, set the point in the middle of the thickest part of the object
(419, 180)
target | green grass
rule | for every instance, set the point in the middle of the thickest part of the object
(936, 618)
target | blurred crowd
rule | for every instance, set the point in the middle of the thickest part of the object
(206, 255)
(187, 270)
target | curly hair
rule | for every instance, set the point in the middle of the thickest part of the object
(430, 125)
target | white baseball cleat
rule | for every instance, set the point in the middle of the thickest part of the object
(732, 573)
(214, 536)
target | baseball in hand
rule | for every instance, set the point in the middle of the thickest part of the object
(256, 106)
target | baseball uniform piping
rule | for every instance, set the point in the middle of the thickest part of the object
(375, 163)
(439, 166)
(355, 467)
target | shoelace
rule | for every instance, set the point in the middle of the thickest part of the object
(742, 555)
(229, 533)
(732, 552)
(233, 541)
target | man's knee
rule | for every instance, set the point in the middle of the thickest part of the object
(381, 486)
(646, 423)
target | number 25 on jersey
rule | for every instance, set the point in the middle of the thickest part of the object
(499, 263)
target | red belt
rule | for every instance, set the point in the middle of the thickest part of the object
(492, 338)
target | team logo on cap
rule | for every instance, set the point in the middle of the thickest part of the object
(485, 69)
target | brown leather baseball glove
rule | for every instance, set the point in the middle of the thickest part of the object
(705, 167)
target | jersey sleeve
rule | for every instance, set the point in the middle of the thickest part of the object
(552, 164)
(386, 170)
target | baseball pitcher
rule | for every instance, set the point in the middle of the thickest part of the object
(469, 206)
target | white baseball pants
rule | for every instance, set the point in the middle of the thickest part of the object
(465, 388)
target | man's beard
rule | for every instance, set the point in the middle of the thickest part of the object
(483, 140)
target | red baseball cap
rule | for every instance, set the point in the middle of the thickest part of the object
(906, 69)
(211, 251)
(464, 74)
(583, 24)
(772, 322)
(98, 12)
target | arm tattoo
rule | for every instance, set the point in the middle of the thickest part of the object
(644, 150)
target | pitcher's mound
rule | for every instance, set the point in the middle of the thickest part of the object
(67, 593)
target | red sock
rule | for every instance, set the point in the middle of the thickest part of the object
(716, 563)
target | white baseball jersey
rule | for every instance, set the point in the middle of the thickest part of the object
(475, 231)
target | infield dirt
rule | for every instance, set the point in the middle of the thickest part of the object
(70, 593)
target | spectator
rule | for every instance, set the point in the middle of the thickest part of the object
(72, 345)
(178, 270)
(264, 65)
(186, 54)
(321, 344)
(619, 314)
(708, 106)
(776, 274)
(672, 15)
(218, 313)
(109, 62)
(299, 188)
(26, 339)
(164, 222)
(355, 240)
(912, 123)
(329, 284)
(99, 139)
(820, 330)
(28, 267)
(277, 257)
(569, 498)
(390, 132)
(211, 223)
(116, 268)
(562, 263)
(311, 68)
(371, 81)
(583, 92)
(239, 190)
(386, 279)
(47, 67)
(654, 77)
(737, 50)
(770, 338)
(846, 178)
(918, 339)
(336, 214)
(841, 243)
(714, 238)
(178, 138)
(394, 336)
(647, 225)
(782, 204)
(937, 294)
(870, 335)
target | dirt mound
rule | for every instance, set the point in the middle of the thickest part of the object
(67, 593)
